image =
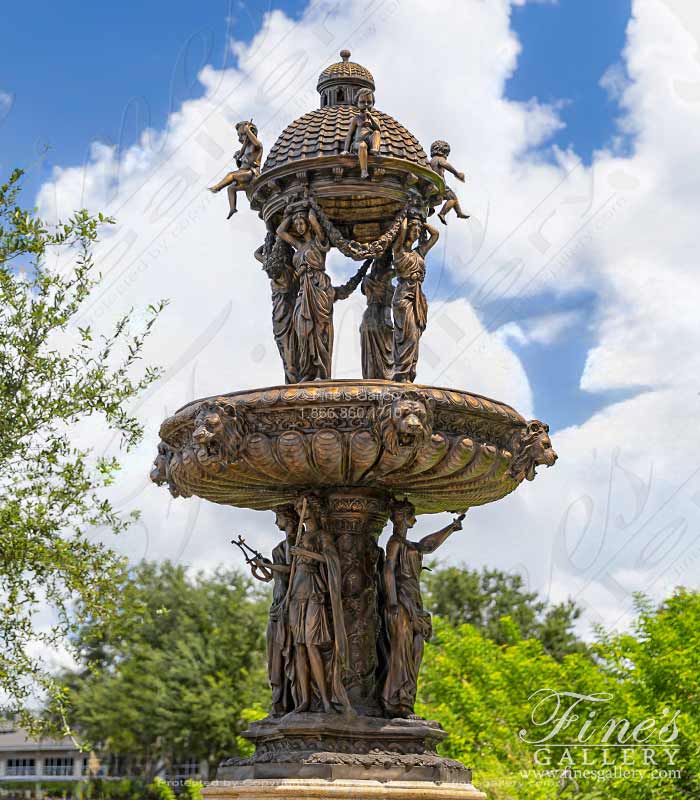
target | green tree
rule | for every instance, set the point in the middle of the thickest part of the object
(656, 669)
(174, 676)
(484, 695)
(481, 693)
(54, 376)
(482, 599)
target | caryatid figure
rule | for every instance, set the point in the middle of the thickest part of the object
(248, 160)
(279, 570)
(313, 308)
(315, 582)
(276, 258)
(409, 305)
(365, 133)
(376, 328)
(439, 151)
(408, 623)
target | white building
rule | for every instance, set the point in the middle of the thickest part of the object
(27, 762)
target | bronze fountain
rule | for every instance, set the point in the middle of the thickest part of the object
(336, 459)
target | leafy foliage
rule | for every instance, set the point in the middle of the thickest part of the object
(53, 376)
(484, 599)
(173, 676)
(482, 693)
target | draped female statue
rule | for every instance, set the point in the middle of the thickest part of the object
(315, 583)
(376, 329)
(276, 257)
(407, 622)
(409, 304)
(313, 310)
(278, 570)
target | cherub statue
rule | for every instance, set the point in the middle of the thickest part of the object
(248, 160)
(439, 151)
(408, 623)
(365, 133)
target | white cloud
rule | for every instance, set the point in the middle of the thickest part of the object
(624, 230)
(545, 329)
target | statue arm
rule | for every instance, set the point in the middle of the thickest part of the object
(344, 291)
(285, 569)
(400, 239)
(258, 254)
(252, 137)
(459, 175)
(316, 226)
(300, 551)
(425, 248)
(349, 137)
(429, 544)
(287, 237)
(392, 551)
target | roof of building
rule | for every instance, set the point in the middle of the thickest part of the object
(17, 739)
(345, 70)
(322, 133)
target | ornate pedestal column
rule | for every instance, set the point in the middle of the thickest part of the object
(356, 519)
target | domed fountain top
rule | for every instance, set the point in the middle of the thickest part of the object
(339, 83)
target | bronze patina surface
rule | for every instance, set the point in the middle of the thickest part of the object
(336, 460)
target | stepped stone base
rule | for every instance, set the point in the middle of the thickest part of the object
(317, 789)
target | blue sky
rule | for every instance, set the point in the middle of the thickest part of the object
(601, 341)
(95, 74)
(80, 72)
(91, 73)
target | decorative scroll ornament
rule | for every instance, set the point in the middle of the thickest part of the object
(351, 248)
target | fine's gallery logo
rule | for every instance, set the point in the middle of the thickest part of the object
(569, 730)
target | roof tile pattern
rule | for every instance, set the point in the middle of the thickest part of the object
(322, 133)
(344, 70)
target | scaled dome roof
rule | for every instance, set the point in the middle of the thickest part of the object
(345, 70)
(322, 133)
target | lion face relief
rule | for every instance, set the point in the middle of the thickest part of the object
(531, 448)
(406, 422)
(218, 434)
(160, 471)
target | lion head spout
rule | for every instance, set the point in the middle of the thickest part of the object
(405, 422)
(218, 434)
(531, 447)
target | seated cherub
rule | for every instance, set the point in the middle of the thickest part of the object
(365, 133)
(439, 151)
(247, 159)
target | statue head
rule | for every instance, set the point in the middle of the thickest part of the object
(439, 148)
(209, 424)
(286, 518)
(314, 509)
(242, 127)
(406, 422)
(300, 223)
(414, 229)
(403, 515)
(531, 448)
(365, 99)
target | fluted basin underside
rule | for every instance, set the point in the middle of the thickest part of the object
(441, 449)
